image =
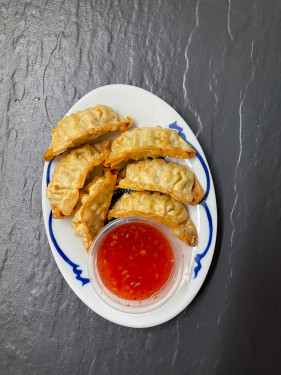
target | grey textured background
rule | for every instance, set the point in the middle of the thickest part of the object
(218, 64)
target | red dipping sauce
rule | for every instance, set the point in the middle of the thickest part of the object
(135, 261)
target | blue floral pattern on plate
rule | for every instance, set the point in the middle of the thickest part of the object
(74, 266)
(198, 257)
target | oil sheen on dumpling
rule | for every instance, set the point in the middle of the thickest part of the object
(93, 207)
(161, 207)
(84, 126)
(70, 175)
(142, 143)
(158, 175)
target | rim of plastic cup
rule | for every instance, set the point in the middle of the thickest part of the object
(156, 300)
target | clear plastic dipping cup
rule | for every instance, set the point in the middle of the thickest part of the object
(145, 305)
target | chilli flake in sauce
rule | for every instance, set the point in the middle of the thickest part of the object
(135, 261)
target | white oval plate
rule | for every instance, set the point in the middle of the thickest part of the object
(146, 109)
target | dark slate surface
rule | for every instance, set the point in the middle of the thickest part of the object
(218, 64)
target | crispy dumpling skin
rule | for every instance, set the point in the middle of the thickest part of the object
(142, 143)
(158, 175)
(98, 171)
(93, 205)
(161, 207)
(70, 175)
(62, 200)
(84, 126)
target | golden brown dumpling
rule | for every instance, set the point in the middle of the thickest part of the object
(93, 207)
(70, 175)
(62, 200)
(158, 175)
(162, 208)
(142, 143)
(84, 126)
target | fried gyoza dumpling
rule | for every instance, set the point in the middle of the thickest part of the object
(93, 205)
(158, 175)
(162, 208)
(142, 143)
(70, 175)
(84, 126)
